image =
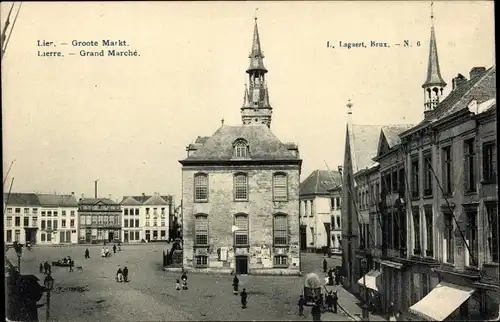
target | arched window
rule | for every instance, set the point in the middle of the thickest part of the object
(240, 186)
(200, 187)
(280, 187)
(201, 230)
(240, 149)
(280, 228)
(241, 230)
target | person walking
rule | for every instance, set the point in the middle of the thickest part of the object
(236, 282)
(87, 253)
(244, 299)
(184, 276)
(41, 268)
(335, 301)
(71, 264)
(301, 304)
(125, 274)
(114, 248)
(46, 267)
(325, 265)
(119, 274)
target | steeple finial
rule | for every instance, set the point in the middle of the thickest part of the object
(434, 77)
(349, 107)
(432, 12)
(256, 54)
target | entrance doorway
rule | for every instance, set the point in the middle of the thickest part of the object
(110, 236)
(88, 235)
(30, 235)
(241, 265)
(125, 236)
(303, 238)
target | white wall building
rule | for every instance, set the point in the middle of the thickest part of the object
(316, 211)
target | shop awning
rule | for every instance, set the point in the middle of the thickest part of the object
(441, 301)
(371, 279)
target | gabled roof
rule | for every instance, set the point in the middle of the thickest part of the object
(130, 201)
(391, 133)
(319, 182)
(364, 144)
(146, 200)
(21, 199)
(95, 201)
(263, 144)
(50, 200)
(156, 200)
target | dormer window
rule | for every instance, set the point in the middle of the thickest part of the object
(241, 149)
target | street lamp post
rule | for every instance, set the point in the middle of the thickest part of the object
(19, 254)
(365, 312)
(49, 284)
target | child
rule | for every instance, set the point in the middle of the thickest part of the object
(184, 285)
(177, 285)
(302, 302)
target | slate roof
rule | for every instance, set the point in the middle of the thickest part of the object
(392, 132)
(481, 88)
(50, 200)
(93, 201)
(263, 144)
(319, 182)
(21, 199)
(147, 200)
(364, 145)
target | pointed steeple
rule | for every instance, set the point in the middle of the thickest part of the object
(256, 55)
(256, 109)
(434, 84)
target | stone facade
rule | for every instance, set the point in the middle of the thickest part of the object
(260, 208)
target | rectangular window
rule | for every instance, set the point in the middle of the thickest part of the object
(43, 224)
(469, 165)
(26, 222)
(147, 211)
(201, 187)
(9, 236)
(35, 221)
(9, 222)
(18, 210)
(401, 180)
(280, 230)
(332, 203)
(63, 212)
(163, 212)
(338, 203)
(94, 220)
(49, 224)
(55, 224)
(472, 237)
(55, 213)
(338, 222)
(72, 223)
(489, 162)
(49, 213)
(241, 234)
(137, 212)
(63, 223)
(155, 222)
(448, 238)
(415, 191)
(429, 231)
(147, 223)
(390, 234)
(26, 210)
(9, 211)
(17, 221)
(43, 237)
(72, 213)
(280, 260)
(280, 190)
(125, 223)
(201, 230)
(137, 235)
(43, 213)
(201, 260)
(416, 230)
(427, 174)
(49, 237)
(447, 174)
(125, 212)
(137, 223)
(35, 210)
(492, 211)
(394, 181)
(240, 187)
(396, 230)
(17, 236)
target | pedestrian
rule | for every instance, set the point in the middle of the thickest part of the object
(316, 312)
(244, 299)
(106, 252)
(184, 276)
(301, 303)
(114, 248)
(119, 274)
(236, 281)
(125, 274)
(330, 276)
(103, 252)
(325, 265)
(337, 277)
(46, 267)
(41, 268)
(329, 301)
(177, 285)
(184, 285)
(71, 264)
(335, 300)
(87, 253)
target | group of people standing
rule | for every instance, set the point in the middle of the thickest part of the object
(122, 274)
(184, 282)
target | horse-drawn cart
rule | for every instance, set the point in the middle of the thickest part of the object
(312, 288)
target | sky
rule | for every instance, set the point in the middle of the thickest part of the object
(126, 121)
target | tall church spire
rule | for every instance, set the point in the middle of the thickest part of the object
(256, 108)
(434, 84)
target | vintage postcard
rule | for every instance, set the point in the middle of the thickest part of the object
(250, 160)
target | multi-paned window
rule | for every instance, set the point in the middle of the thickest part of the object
(489, 162)
(201, 260)
(9, 222)
(280, 187)
(447, 164)
(240, 149)
(415, 178)
(280, 260)
(492, 211)
(241, 233)
(472, 237)
(280, 230)
(449, 246)
(469, 165)
(200, 187)
(240, 186)
(427, 173)
(201, 230)
(429, 230)
(416, 230)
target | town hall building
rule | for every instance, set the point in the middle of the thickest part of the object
(240, 191)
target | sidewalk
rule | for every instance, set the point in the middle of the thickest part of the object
(351, 306)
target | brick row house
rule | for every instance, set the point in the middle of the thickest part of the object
(41, 218)
(147, 217)
(240, 191)
(432, 231)
(319, 214)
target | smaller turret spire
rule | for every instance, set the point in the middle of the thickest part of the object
(256, 54)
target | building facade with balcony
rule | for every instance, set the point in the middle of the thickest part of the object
(240, 191)
(316, 211)
(146, 217)
(99, 221)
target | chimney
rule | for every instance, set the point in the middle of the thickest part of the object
(459, 81)
(143, 194)
(72, 193)
(109, 196)
(95, 184)
(476, 71)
